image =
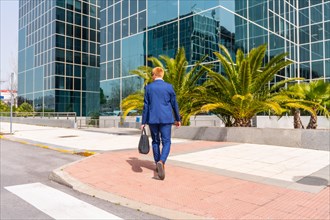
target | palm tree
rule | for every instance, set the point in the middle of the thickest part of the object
(318, 93)
(184, 81)
(313, 97)
(243, 91)
(295, 91)
(297, 123)
(135, 100)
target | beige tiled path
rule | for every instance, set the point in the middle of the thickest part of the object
(283, 163)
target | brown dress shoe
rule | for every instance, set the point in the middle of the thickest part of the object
(160, 170)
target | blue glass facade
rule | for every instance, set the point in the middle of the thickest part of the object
(62, 64)
(59, 55)
(132, 30)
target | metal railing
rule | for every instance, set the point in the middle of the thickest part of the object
(106, 122)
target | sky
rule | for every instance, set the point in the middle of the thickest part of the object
(9, 40)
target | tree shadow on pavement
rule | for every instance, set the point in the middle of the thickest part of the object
(311, 180)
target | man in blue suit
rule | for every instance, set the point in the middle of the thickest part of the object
(160, 111)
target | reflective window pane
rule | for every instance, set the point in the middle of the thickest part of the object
(133, 25)
(162, 10)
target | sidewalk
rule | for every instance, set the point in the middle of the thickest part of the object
(204, 179)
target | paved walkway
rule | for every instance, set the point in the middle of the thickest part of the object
(204, 179)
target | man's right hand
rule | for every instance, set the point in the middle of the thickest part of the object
(178, 124)
(142, 126)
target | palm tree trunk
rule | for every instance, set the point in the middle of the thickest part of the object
(226, 119)
(297, 124)
(242, 122)
(312, 122)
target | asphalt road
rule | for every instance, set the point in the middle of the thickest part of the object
(23, 165)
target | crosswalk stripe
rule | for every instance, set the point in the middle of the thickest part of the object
(57, 204)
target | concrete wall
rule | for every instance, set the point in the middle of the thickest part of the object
(285, 122)
(62, 123)
(260, 121)
(300, 138)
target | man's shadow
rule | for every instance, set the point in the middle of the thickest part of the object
(137, 164)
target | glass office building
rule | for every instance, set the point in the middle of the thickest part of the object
(133, 30)
(58, 57)
(62, 66)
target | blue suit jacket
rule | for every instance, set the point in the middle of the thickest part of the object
(160, 104)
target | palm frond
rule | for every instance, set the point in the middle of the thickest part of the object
(144, 72)
(220, 82)
(274, 107)
(268, 74)
(256, 57)
(239, 58)
(293, 105)
(155, 62)
(245, 77)
(229, 69)
(132, 102)
(282, 83)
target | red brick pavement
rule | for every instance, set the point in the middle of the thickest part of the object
(131, 175)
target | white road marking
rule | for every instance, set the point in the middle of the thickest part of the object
(57, 204)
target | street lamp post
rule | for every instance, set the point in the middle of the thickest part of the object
(11, 102)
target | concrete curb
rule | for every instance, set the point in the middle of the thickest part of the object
(41, 145)
(60, 176)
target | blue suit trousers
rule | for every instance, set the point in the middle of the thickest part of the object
(161, 132)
